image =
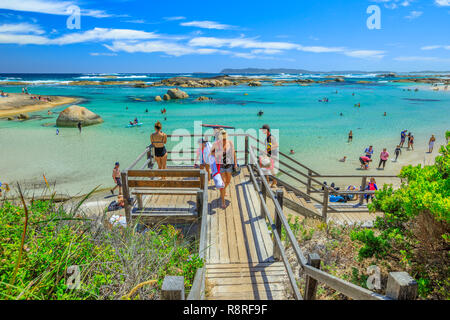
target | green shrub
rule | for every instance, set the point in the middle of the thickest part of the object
(415, 226)
(111, 262)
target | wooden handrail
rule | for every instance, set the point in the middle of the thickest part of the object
(198, 285)
(345, 287)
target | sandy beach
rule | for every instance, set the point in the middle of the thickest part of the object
(17, 103)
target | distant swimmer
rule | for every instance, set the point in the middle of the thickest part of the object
(260, 113)
(126, 108)
(165, 118)
(353, 94)
(385, 114)
(341, 114)
(146, 110)
(292, 151)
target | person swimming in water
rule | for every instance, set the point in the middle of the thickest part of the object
(292, 151)
(146, 110)
(260, 113)
(136, 120)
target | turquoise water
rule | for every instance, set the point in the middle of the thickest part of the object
(315, 130)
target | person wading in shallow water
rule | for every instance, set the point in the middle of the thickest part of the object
(79, 126)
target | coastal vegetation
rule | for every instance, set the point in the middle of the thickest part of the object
(50, 253)
(412, 236)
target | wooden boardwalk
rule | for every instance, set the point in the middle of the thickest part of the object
(239, 258)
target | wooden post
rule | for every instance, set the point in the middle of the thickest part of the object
(150, 157)
(126, 196)
(139, 200)
(202, 179)
(401, 286)
(277, 221)
(173, 288)
(325, 204)
(262, 187)
(246, 150)
(363, 187)
(308, 187)
(199, 202)
(311, 283)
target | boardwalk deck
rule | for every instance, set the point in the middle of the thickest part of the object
(239, 261)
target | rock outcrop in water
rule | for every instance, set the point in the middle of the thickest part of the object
(203, 98)
(70, 117)
(176, 93)
(158, 98)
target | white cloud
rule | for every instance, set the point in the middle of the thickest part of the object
(414, 14)
(318, 49)
(206, 25)
(394, 4)
(365, 54)
(174, 18)
(169, 48)
(109, 54)
(240, 43)
(435, 47)
(103, 34)
(442, 3)
(48, 7)
(21, 28)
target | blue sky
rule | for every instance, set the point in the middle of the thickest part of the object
(207, 36)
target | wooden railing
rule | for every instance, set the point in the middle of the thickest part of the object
(311, 266)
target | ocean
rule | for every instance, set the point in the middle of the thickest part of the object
(316, 131)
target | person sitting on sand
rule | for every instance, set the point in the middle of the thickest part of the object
(352, 196)
(364, 162)
(384, 155)
(372, 187)
(343, 159)
(431, 143)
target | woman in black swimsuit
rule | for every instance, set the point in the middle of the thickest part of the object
(158, 140)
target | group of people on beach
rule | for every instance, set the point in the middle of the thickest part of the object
(384, 155)
(3, 94)
(47, 99)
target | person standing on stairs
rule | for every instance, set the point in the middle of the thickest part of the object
(271, 152)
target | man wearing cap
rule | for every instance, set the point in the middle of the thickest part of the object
(271, 151)
(116, 178)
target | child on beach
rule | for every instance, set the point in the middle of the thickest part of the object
(372, 187)
(343, 159)
(411, 142)
(397, 152)
(384, 155)
(431, 143)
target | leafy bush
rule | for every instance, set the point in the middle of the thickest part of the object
(111, 262)
(415, 226)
